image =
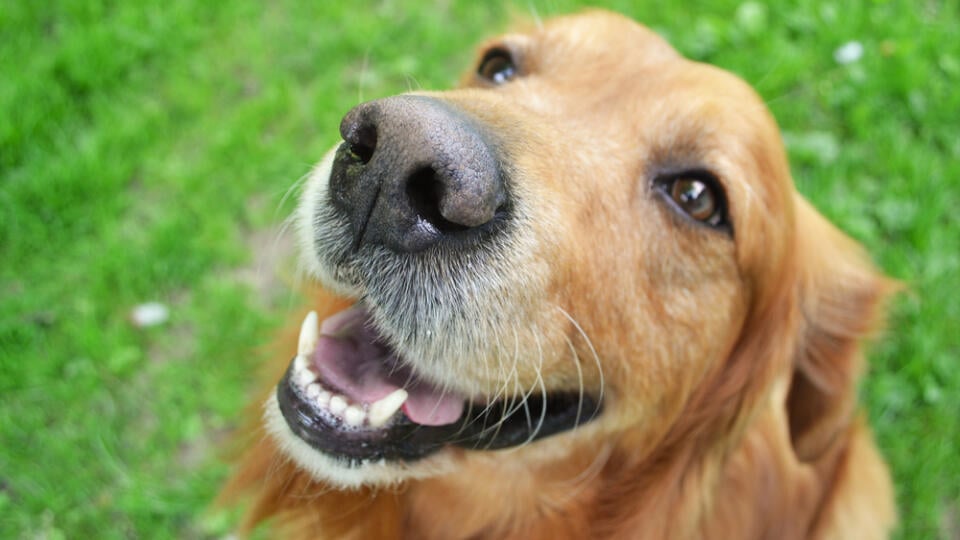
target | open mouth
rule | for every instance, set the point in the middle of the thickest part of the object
(348, 395)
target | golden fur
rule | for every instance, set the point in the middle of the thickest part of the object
(728, 364)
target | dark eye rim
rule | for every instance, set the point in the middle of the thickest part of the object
(719, 220)
(498, 54)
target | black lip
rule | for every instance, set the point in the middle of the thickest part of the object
(499, 425)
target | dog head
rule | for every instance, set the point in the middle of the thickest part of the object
(590, 239)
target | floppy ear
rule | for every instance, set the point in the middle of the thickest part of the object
(841, 297)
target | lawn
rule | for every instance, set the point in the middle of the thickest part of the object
(147, 150)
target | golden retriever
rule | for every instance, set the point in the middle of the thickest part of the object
(576, 297)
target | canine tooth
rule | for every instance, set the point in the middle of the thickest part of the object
(304, 378)
(308, 335)
(353, 416)
(300, 363)
(313, 390)
(338, 405)
(383, 409)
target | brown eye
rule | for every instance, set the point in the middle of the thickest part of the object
(697, 195)
(497, 67)
(694, 197)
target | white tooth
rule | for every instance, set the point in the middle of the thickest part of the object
(313, 390)
(338, 405)
(353, 416)
(304, 378)
(323, 398)
(308, 335)
(385, 408)
(301, 363)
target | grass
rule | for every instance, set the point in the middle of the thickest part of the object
(144, 148)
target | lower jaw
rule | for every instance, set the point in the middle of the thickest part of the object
(349, 474)
(498, 425)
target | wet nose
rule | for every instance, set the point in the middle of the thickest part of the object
(414, 172)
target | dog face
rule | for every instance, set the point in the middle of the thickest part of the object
(571, 244)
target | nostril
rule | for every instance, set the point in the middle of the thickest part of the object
(413, 170)
(363, 142)
(425, 191)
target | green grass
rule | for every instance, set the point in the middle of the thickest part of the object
(143, 145)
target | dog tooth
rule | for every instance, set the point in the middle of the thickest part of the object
(313, 390)
(300, 363)
(323, 398)
(308, 335)
(337, 405)
(354, 416)
(304, 378)
(383, 409)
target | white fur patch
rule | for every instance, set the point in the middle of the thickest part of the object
(314, 191)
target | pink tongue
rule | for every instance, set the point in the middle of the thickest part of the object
(351, 360)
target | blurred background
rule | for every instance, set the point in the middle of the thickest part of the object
(149, 153)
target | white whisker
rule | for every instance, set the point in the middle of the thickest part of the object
(576, 484)
(290, 190)
(543, 393)
(537, 19)
(581, 390)
(593, 351)
(412, 83)
(771, 69)
(511, 378)
(503, 391)
(362, 79)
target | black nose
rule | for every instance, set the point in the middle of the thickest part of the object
(413, 172)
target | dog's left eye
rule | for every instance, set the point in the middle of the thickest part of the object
(698, 196)
(497, 66)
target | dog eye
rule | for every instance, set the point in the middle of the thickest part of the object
(699, 196)
(497, 66)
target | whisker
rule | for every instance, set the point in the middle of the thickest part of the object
(786, 95)
(521, 399)
(771, 69)
(501, 391)
(363, 75)
(581, 391)
(504, 388)
(412, 83)
(593, 352)
(290, 190)
(543, 393)
(273, 249)
(509, 398)
(577, 484)
(537, 19)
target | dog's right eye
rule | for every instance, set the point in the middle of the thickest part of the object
(698, 195)
(497, 66)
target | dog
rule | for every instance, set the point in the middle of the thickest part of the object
(576, 297)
